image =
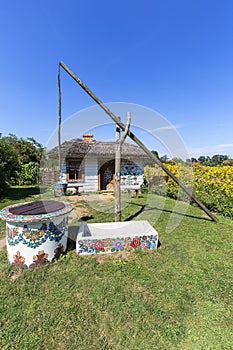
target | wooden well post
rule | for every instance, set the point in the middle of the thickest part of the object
(137, 141)
(117, 179)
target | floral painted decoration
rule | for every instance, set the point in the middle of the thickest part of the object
(108, 245)
(40, 258)
(34, 238)
(19, 260)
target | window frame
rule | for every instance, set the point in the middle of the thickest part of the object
(79, 175)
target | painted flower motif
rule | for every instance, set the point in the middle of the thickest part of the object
(26, 234)
(15, 230)
(91, 250)
(135, 242)
(127, 247)
(109, 241)
(9, 233)
(34, 237)
(88, 244)
(117, 245)
(144, 237)
(18, 259)
(152, 245)
(99, 245)
(40, 258)
(126, 239)
(144, 245)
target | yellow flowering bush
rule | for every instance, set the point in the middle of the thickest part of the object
(212, 185)
(159, 183)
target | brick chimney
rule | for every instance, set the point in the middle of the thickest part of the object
(88, 137)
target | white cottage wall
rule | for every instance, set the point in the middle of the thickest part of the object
(91, 175)
(90, 183)
(63, 171)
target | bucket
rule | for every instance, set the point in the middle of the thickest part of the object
(60, 189)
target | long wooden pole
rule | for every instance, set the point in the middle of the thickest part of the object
(59, 121)
(137, 141)
(117, 178)
(119, 142)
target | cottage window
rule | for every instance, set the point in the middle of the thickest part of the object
(75, 170)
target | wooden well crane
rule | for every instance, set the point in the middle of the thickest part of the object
(127, 131)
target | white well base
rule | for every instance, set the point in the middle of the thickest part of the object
(36, 243)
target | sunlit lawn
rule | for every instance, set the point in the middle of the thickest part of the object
(176, 297)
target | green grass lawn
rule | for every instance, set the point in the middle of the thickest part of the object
(176, 297)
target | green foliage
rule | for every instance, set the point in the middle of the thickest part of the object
(217, 159)
(164, 158)
(212, 185)
(8, 161)
(28, 174)
(15, 154)
(69, 193)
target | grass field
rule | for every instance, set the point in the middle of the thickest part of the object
(176, 297)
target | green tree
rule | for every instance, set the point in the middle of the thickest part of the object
(8, 161)
(14, 154)
(28, 174)
(150, 162)
(177, 160)
(164, 158)
(218, 159)
(202, 159)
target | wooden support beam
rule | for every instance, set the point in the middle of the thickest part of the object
(119, 142)
(117, 178)
(137, 141)
(59, 120)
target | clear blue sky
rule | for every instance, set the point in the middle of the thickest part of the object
(172, 56)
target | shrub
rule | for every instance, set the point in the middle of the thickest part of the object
(212, 185)
(28, 174)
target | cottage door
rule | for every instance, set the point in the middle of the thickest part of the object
(107, 171)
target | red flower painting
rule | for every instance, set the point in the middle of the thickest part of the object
(135, 242)
(99, 245)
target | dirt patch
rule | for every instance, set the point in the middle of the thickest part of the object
(15, 275)
(119, 257)
(105, 197)
(102, 197)
(79, 210)
(2, 242)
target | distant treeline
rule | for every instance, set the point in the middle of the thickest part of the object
(217, 159)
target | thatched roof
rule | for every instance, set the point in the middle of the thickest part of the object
(79, 148)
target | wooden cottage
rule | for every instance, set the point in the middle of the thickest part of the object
(90, 164)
